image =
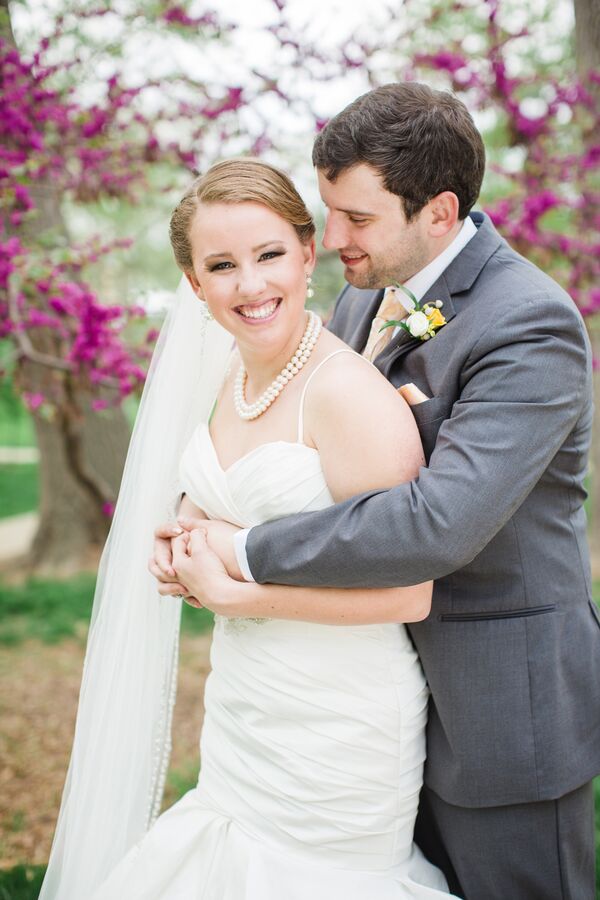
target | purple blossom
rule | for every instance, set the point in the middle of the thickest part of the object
(534, 207)
(33, 401)
(449, 62)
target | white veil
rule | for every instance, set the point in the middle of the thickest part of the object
(121, 747)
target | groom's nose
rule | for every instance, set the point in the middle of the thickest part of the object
(335, 235)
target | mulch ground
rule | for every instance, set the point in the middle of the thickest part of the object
(39, 686)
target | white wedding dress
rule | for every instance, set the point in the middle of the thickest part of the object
(313, 741)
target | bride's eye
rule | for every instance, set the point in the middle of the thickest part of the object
(271, 254)
(219, 267)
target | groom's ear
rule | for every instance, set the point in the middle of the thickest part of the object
(442, 213)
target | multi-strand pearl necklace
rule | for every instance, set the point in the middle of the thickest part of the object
(254, 410)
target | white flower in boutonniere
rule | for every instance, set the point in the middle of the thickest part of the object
(422, 321)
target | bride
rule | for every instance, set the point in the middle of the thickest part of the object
(313, 741)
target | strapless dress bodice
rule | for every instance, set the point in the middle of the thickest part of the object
(275, 479)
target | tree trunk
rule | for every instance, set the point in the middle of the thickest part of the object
(587, 36)
(72, 526)
(587, 49)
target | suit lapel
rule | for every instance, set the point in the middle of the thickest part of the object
(403, 342)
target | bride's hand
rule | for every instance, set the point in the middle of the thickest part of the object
(160, 565)
(219, 536)
(202, 571)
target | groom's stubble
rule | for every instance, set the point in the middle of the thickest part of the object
(395, 264)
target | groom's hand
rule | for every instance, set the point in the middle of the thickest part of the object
(219, 537)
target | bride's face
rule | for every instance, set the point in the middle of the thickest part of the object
(250, 267)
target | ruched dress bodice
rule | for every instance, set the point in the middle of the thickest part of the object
(273, 480)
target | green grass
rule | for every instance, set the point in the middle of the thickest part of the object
(53, 610)
(195, 621)
(19, 488)
(21, 883)
(180, 781)
(46, 610)
(16, 425)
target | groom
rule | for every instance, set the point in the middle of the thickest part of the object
(511, 649)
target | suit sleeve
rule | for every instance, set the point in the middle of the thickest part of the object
(523, 388)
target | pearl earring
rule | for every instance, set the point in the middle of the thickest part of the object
(309, 289)
(206, 313)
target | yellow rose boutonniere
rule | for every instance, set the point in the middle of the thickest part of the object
(423, 321)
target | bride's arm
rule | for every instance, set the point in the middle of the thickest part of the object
(367, 439)
(328, 606)
(187, 509)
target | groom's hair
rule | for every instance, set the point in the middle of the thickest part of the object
(421, 142)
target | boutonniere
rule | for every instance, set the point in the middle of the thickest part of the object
(423, 321)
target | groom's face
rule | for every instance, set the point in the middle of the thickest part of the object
(367, 226)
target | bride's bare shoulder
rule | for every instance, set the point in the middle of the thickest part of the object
(343, 374)
(363, 428)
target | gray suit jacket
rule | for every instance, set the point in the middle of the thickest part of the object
(511, 649)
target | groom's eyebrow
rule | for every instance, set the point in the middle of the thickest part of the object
(254, 249)
(354, 212)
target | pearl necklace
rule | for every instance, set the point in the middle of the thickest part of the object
(254, 410)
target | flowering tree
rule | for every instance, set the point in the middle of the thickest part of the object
(69, 136)
(587, 37)
(73, 358)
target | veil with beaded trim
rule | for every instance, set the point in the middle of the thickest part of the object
(121, 747)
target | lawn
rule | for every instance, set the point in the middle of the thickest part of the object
(16, 425)
(19, 489)
(51, 611)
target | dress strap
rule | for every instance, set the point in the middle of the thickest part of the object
(308, 380)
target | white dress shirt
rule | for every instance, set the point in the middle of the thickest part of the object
(419, 284)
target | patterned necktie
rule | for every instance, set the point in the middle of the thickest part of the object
(389, 308)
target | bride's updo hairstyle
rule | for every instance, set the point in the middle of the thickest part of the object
(240, 180)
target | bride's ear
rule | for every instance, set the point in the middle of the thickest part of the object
(195, 284)
(310, 256)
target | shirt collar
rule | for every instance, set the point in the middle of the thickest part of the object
(420, 283)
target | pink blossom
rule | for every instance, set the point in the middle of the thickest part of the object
(450, 62)
(33, 401)
(534, 207)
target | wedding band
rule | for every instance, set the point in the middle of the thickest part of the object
(179, 596)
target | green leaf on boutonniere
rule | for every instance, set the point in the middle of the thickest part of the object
(393, 322)
(410, 295)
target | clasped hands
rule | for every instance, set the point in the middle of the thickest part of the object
(195, 558)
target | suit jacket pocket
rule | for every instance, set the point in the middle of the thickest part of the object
(429, 416)
(492, 615)
(430, 410)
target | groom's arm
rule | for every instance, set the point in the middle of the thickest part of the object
(524, 386)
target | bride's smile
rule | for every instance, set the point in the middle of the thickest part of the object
(259, 313)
